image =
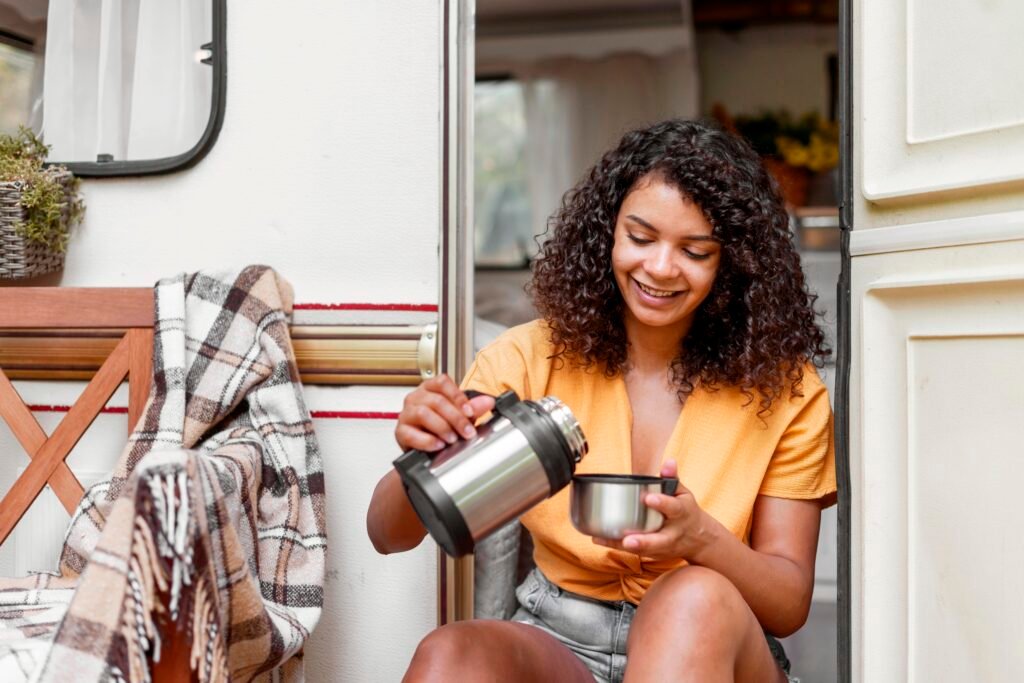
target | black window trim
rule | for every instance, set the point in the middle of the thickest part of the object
(843, 291)
(179, 162)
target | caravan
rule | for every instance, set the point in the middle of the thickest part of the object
(338, 144)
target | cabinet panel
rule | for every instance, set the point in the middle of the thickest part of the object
(936, 464)
(939, 95)
(965, 464)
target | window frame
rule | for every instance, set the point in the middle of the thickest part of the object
(179, 162)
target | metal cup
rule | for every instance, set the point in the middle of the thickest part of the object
(612, 505)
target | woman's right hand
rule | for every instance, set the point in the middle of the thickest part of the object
(436, 413)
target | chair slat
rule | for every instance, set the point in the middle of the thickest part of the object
(64, 437)
(75, 307)
(30, 435)
(140, 371)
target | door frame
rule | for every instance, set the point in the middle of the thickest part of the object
(455, 576)
(843, 299)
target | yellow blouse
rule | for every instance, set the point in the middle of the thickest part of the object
(727, 455)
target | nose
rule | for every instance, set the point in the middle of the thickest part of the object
(662, 264)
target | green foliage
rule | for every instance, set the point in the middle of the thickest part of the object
(51, 207)
(765, 128)
(807, 141)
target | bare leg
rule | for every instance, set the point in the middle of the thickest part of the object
(489, 650)
(693, 625)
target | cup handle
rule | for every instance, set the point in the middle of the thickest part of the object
(500, 402)
(669, 486)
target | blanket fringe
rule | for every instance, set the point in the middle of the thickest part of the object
(145, 582)
(162, 564)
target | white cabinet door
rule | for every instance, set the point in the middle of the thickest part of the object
(937, 338)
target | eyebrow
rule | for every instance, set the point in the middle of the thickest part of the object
(696, 238)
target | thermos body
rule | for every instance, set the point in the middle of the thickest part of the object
(489, 484)
(524, 453)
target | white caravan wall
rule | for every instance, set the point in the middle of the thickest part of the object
(895, 87)
(327, 168)
(937, 332)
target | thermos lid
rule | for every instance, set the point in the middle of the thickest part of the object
(552, 432)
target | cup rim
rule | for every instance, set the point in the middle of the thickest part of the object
(618, 478)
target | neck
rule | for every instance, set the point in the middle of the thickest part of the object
(653, 348)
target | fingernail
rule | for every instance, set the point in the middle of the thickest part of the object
(629, 542)
(468, 431)
(438, 444)
(467, 409)
(450, 437)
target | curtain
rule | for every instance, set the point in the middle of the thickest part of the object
(578, 108)
(124, 78)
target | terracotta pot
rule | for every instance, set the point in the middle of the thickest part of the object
(793, 180)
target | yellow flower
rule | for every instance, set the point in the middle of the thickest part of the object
(820, 153)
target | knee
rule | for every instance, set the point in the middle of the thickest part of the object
(442, 655)
(695, 595)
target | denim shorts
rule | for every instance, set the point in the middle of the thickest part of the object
(595, 630)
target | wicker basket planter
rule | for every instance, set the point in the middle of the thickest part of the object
(19, 256)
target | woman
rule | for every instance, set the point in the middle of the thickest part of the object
(678, 329)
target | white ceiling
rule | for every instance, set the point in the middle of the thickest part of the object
(493, 9)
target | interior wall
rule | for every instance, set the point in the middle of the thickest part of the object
(766, 67)
(327, 168)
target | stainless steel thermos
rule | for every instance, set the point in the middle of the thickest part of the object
(526, 452)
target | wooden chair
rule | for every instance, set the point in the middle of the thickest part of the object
(52, 310)
(31, 308)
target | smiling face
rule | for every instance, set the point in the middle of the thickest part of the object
(664, 257)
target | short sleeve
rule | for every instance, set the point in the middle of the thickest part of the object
(498, 367)
(803, 465)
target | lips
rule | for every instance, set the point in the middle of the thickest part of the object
(656, 293)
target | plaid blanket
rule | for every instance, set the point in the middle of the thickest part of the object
(213, 520)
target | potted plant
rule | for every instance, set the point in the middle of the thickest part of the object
(793, 148)
(39, 204)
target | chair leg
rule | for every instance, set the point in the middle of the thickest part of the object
(175, 651)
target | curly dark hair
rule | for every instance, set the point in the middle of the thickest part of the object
(757, 328)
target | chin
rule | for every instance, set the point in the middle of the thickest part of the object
(659, 320)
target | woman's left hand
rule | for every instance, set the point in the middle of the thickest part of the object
(686, 532)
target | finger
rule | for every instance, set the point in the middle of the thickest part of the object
(612, 543)
(446, 386)
(633, 543)
(481, 405)
(452, 414)
(670, 469)
(423, 416)
(647, 544)
(409, 437)
(670, 506)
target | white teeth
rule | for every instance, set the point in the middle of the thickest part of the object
(654, 292)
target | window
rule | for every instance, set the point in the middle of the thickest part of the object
(17, 66)
(114, 87)
(504, 236)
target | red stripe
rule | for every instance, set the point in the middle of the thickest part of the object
(64, 409)
(428, 308)
(352, 415)
(319, 414)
